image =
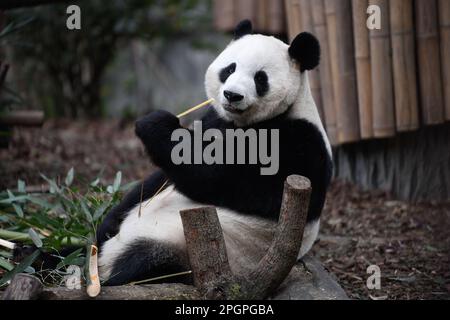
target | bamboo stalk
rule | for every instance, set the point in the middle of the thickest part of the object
(428, 58)
(363, 68)
(244, 9)
(20, 237)
(276, 19)
(404, 64)
(93, 287)
(330, 16)
(7, 244)
(314, 79)
(346, 98)
(444, 23)
(382, 84)
(262, 15)
(292, 8)
(326, 84)
(223, 12)
(199, 106)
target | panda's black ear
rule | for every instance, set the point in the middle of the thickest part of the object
(306, 50)
(242, 29)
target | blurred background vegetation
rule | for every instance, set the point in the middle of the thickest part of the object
(75, 73)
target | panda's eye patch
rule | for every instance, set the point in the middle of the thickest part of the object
(226, 72)
(261, 83)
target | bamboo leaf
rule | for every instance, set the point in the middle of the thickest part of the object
(53, 186)
(86, 211)
(40, 202)
(100, 211)
(128, 186)
(6, 254)
(20, 268)
(10, 194)
(110, 189)
(95, 182)
(35, 238)
(18, 210)
(5, 264)
(117, 181)
(67, 261)
(69, 177)
(14, 199)
(21, 186)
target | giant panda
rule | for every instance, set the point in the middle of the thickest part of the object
(258, 81)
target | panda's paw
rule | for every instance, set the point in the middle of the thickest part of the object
(155, 131)
(156, 125)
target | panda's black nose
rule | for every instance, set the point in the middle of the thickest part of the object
(232, 96)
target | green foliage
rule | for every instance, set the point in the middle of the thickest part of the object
(9, 97)
(64, 68)
(67, 215)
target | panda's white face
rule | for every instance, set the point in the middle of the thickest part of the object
(253, 79)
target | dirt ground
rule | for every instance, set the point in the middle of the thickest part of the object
(410, 243)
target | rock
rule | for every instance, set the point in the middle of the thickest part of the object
(308, 280)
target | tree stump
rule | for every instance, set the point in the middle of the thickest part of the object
(23, 287)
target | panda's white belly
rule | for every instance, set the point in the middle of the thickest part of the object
(247, 238)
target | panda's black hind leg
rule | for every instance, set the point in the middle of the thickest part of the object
(147, 259)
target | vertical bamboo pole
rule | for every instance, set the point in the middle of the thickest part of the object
(292, 8)
(245, 9)
(224, 14)
(330, 15)
(262, 14)
(314, 79)
(444, 22)
(382, 85)
(404, 68)
(428, 59)
(347, 100)
(276, 20)
(363, 68)
(326, 84)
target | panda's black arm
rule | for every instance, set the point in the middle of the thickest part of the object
(243, 188)
(111, 223)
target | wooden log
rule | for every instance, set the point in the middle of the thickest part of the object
(326, 84)
(444, 23)
(206, 250)
(282, 253)
(22, 118)
(404, 64)
(428, 61)
(23, 287)
(223, 12)
(363, 68)
(347, 114)
(292, 8)
(314, 77)
(382, 85)
(165, 291)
